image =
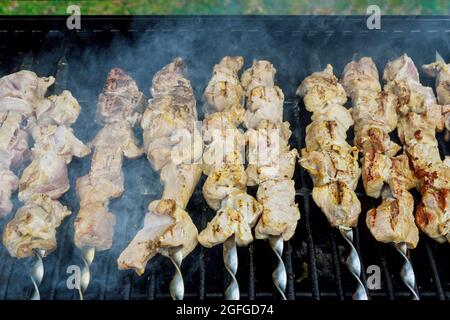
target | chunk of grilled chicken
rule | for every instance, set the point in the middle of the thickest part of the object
(34, 226)
(170, 133)
(94, 225)
(402, 79)
(321, 88)
(23, 91)
(223, 181)
(417, 132)
(179, 182)
(118, 108)
(418, 137)
(236, 217)
(53, 150)
(166, 227)
(332, 164)
(223, 142)
(264, 99)
(62, 109)
(329, 159)
(379, 108)
(441, 71)
(8, 184)
(169, 121)
(393, 220)
(261, 74)
(13, 139)
(374, 111)
(280, 212)
(361, 75)
(120, 99)
(13, 145)
(224, 92)
(172, 81)
(269, 155)
(433, 213)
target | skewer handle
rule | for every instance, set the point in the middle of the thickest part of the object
(279, 275)
(407, 272)
(230, 260)
(37, 273)
(354, 264)
(176, 284)
(87, 254)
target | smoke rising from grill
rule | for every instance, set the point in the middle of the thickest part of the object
(296, 48)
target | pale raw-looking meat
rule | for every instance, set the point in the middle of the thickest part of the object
(167, 227)
(173, 146)
(21, 93)
(34, 226)
(45, 179)
(94, 223)
(236, 217)
(118, 109)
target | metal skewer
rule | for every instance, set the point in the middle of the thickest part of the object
(354, 264)
(87, 255)
(279, 275)
(177, 284)
(407, 272)
(230, 260)
(37, 273)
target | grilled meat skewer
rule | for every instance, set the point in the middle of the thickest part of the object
(331, 161)
(223, 161)
(21, 94)
(173, 147)
(271, 162)
(375, 116)
(420, 118)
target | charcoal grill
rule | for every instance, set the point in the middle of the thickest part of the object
(297, 46)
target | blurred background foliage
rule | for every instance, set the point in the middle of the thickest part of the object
(258, 7)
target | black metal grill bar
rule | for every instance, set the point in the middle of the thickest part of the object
(311, 250)
(434, 272)
(251, 272)
(290, 290)
(202, 268)
(337, 267)
(358, 249)
(387, 274)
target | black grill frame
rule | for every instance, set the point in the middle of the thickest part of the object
(26, 43)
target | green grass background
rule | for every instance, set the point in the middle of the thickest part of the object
(259, 7)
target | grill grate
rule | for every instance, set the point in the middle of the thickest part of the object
(314, 257)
